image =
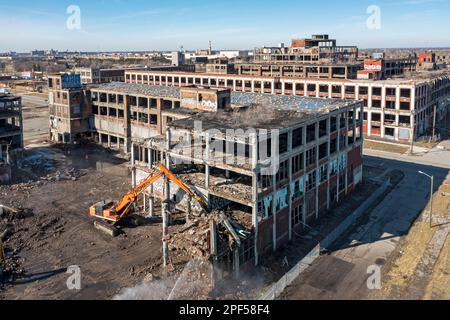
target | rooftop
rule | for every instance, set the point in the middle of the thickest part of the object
(250, 110)
(264, 111)
(140, 89)
(407, 79)
(292, 103)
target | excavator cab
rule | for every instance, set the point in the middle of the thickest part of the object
(102, 210)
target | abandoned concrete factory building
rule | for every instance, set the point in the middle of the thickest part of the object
(402, 102)
(11, 133)
(395, 109)
(319, 147)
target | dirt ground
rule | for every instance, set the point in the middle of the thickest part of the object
(57, 186)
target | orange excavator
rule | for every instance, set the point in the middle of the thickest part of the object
(116, 212)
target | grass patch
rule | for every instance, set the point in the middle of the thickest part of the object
(386, 147)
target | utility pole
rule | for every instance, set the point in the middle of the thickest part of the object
(431, 201)
(434, 122)
(431, 196)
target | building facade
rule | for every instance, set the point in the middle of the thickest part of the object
(96, 75)
(398, 109)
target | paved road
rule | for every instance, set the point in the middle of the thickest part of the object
(343, 273)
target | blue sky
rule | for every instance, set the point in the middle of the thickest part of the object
(231, 24)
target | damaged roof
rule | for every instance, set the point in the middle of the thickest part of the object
(250, 110)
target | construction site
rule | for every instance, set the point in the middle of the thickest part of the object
(131, 180)
(273, 174)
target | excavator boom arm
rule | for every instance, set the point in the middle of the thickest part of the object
(183, 186)
(132, 195)
(122, 207)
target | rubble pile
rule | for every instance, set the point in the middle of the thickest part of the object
(192, 239)
(66, 175)
(9, 217)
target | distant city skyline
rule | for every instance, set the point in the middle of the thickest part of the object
(138, 25)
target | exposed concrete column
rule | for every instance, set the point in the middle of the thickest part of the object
(369, 97)
(166, 205)
(234, 84)
(109, 141)
(255, 192)
(330, 91)
(383, 98)
(290, 136)
(413, 111)
(273, 86)
(317, 90)
(361, 115)
(253, 85)
(346, 128)
(283, 88)
(274, 209)
(338, 147)
(207, 155)
(328, 169)
(355, 113)
(133, 166)
(317, 171)
(397, 98)
(151, 202)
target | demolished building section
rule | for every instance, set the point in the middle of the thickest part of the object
(11, 133)
(69, 108)
(319, 143)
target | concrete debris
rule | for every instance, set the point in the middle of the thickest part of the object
(194, 237)
(67, 175)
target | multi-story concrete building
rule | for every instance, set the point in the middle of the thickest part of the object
(317, 153)
(314, 145)
(97, 75)
(11, 133)
(397, 109)
(304, 70)
(68, 108)
(319, 49)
